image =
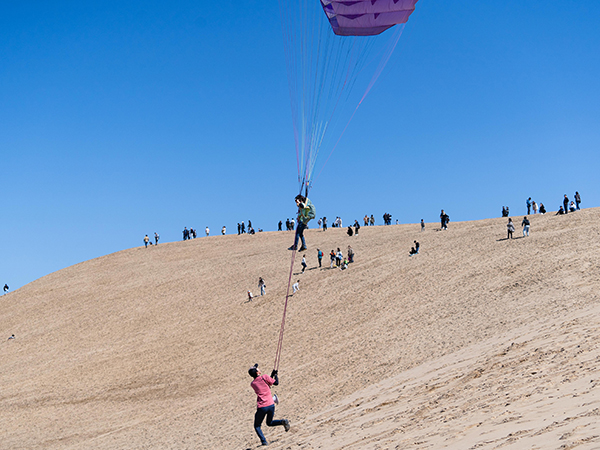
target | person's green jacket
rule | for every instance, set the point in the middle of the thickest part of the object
(307, 213)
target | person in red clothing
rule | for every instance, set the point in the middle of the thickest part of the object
(265, 406)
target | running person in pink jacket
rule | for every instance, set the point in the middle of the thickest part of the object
(265, 405)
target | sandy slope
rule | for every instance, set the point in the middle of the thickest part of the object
(471, 344)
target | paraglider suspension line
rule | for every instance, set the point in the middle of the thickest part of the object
(281, 330)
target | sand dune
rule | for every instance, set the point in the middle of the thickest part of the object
(477, 342)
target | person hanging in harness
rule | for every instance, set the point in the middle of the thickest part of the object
(306, 212)
(265, 403)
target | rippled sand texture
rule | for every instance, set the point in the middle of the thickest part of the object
(476, 343)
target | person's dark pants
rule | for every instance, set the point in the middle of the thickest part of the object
(261, 413)
(528, 209)
(320, 259)
(510, 233)
(300, 234)
(566, 207)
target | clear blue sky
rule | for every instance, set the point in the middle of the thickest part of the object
(119, 119)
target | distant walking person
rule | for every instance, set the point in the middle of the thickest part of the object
(303, 263)
(156, 238)
(207, 231)
(223, 230)
(279, 226)
(338, 257)
(525, 224)
(528, 205)
(510, 228)
(296, 286)
(566, 203)
(535, 207)
(422, 225)
(262, 286)
(146, 240)
(577, 200)
(324, 223)
(6, 288)
(265, 405)
(319, 256)
(444, 219)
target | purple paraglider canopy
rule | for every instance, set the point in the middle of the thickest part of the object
(366, 17)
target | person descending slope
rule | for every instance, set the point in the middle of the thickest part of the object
(265, 404)
(306, 212)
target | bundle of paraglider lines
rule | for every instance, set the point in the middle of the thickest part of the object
(327, 57)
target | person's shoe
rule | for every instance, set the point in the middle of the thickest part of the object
(292, 248)
(303, 248)
(265, 443)
(286, 425)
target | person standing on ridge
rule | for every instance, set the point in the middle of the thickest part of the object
(146, 240)
(279, 226)
(156, 238)
(528, 203)
(444, 219)
(577, 200)
(510, 228)
(525, 224)
(265, 404)
(319, 256)
(6, 288)
(566, 203)
(223, 230)
(207, 231)
(306, 212)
